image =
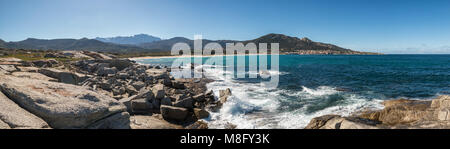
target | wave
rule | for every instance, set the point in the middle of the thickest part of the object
(255, 107)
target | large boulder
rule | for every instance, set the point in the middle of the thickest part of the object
(158, 91)
(201, 113)
(338, 122)
(62, 105)
(401, 111)
(141, 105)
(174, 113)
(16, 117)
(151, 122)
(185, 103)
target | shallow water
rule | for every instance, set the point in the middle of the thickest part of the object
(312, 85)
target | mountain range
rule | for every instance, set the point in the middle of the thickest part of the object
(145, 43)
(130, 40)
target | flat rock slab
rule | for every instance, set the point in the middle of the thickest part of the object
(16, 117)
(32, 75)
(60, 105)
(151, 122)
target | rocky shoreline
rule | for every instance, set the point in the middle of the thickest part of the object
(100, 92)
(397, 114)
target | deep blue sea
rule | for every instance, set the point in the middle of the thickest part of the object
(315, 85)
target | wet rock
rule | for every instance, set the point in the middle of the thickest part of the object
(16, 117)
(174, 113)
(201, 113)
(229, 125)
(320, 122)
(60, 105)
(223, 93)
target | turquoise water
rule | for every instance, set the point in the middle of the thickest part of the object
(313, 85)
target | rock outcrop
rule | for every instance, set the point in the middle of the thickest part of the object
(100, 92)
(62, 105)
(397, 114)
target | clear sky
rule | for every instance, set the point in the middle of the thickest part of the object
(388, 26)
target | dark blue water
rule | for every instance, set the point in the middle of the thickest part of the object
(312, 85)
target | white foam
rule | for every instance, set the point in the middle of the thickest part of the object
(255, 107)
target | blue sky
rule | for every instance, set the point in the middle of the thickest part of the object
(388, 26)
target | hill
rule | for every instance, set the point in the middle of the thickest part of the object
(72, 44)
(288, 45)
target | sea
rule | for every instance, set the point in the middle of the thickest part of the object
(315, 85)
